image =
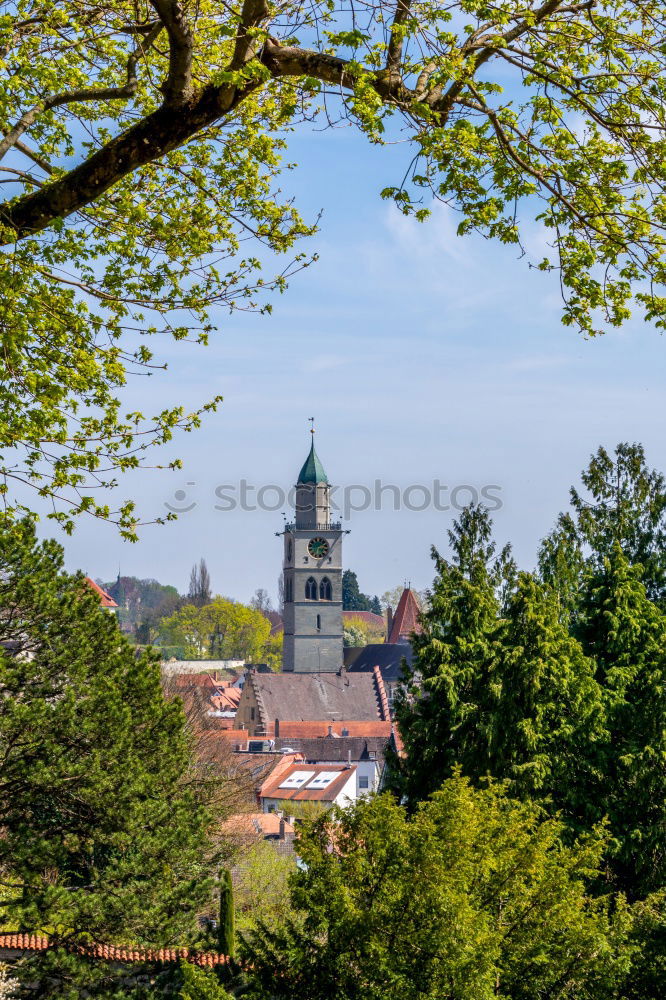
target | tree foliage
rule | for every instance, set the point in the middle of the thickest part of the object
(558, 692)
(142, 142)
(107, 827)
(473, 896)
(220, 630)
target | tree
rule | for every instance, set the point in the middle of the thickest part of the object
(107, 830)
(438, 708)
(199, 592)
(220, 630)
(200, 984)
(352, 635)
(473, 896)
(261, 601)
(143, 143)
(625, 505)
(226, 936)
(261, 886)
(625, 633)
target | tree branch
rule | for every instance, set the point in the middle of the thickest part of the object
(178, 85)
(252, 14)
(395, 46)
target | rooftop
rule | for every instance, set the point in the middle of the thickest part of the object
(406, 617)
(308, 782)
(313, 470)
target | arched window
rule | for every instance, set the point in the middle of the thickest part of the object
(318, 623)
(289, 591)
(311, 589)
(325, 591)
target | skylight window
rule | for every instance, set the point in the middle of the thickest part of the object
(323, 779)
(297, 779)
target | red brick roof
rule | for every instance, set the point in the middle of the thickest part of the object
(406, 617)
(104, 599)
(110, 952)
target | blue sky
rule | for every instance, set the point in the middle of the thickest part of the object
(422, 356)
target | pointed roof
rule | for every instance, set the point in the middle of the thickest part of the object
(106, 600)
(313, 470)
(406, 617)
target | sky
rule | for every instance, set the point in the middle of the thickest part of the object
(422, 356)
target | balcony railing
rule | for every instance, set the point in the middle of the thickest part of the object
(330, 526)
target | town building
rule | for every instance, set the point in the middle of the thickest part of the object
(268, 700)
(327, 784)
(312, 577)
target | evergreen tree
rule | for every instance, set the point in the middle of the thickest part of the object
(541, 713)
(226, 937)
(625, 633)
(376, 605)
(104, 825)
(623, 503)
(437, 710)
(352, 598)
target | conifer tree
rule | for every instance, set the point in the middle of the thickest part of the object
(625, 633)
(105, 827)
(438, 708)
(542, 712)
(226, 931)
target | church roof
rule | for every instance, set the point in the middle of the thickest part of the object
(406, 617)
(313, 470)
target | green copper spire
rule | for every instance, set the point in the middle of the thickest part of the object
(313, 470)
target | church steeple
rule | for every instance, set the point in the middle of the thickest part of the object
(313, 470)
(312, 568)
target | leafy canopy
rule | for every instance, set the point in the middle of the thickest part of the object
(221, 630)
(142, 142)
(471, 898)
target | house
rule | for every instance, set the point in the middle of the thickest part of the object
(105, 599)
(366, 753)
(325, 697)
(248, 828)
(327, 784)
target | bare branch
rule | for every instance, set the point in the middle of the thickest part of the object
(35, 157)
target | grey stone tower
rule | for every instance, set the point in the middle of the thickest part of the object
(312, 571)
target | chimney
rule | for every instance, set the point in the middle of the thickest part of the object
(349, 758)
(277, 727)
(282, 828)
(389, 621)
(330, 730)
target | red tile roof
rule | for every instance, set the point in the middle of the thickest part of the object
(110, 952)
(272, 787)
(369, 617)
(105, 599)
(321, 728)
(257, 824)
(406, 617)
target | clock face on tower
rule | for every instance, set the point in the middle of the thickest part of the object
(318, 548)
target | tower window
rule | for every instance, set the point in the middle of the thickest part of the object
(325, 590)
(289, 590)
(311, 589)
(318, 623)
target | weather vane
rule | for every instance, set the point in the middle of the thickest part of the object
(311, 420)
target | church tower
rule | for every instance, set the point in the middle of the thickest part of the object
(312, 573)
